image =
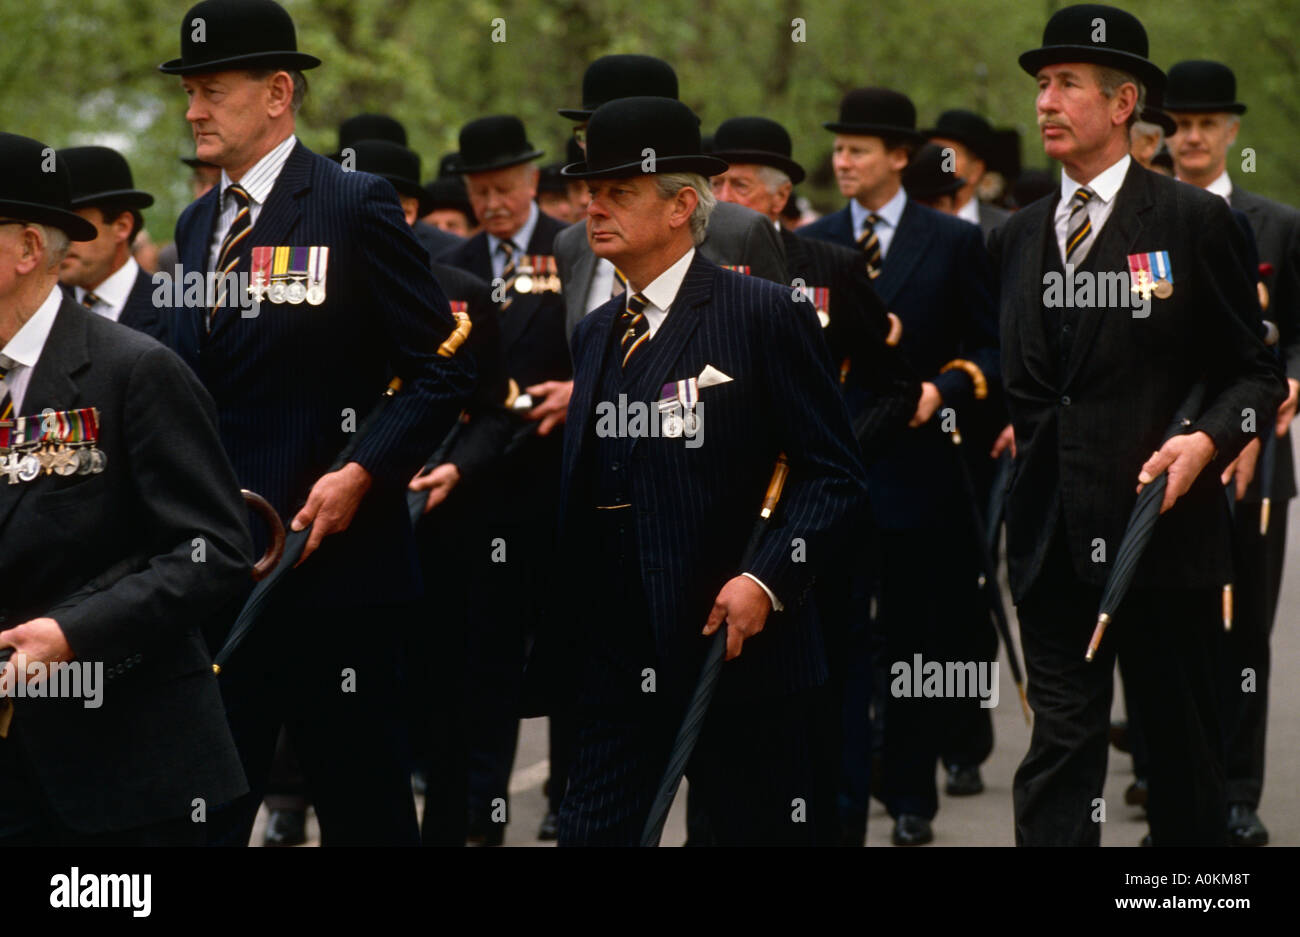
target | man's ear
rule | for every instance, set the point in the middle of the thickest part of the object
(122, 226)
(279, 94)
(684, 203)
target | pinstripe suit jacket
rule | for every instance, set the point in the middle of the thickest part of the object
(1083, 432)
(284, 381)
(938, 280)
(695, 508)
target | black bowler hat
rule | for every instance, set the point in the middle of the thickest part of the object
(1120, 43)
(622, 76)
(877, 112)
(1199, 86)
(1154, 115)
(621, 130)
(549, 180)
(967, 128)
(493, 143)
(217, 35)
(449, 192)
(1004, 156)
(371, 127)
(101, 175)
(756, 140)
(397, 164)
(924, 176)
(29, 193)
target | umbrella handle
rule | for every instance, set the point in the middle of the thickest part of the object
(275, 549)
(895, 334)
(777, 482)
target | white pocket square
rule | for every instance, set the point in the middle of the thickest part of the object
(711, 375)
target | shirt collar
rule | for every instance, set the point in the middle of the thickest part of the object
(520, 238)
(260, 179)
(663, 291)
(1221, 186)
(114, 290)
(27, 344)
(970, 211)
(1105, 186)
(889, 213)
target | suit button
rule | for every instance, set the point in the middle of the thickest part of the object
(616, 467)
(1065, 401)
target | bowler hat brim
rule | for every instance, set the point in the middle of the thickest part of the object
(704, 165)
(764, 158)
(501, 162)
(132, 198)
(1036, 59)
(979, 147)
(1203, 107)
(949, 186)
(72, 224)
(575, 113)
(875, 130)
(289, 61)
(413, 190)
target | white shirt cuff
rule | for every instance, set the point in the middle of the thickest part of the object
(776, 603)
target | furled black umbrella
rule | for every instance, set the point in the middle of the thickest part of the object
(998, 500)
(689, 732)
(295, 541)
(1141, 522)
(989, 569)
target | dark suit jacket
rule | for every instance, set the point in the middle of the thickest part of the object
(737, 236)
(140, 311)
(160, 738)
(937, 279)
(1083, 433)
(1277, 235)
(880, 388)
(285, 380)
(522, 487)
(991, 218)
(696, 507)
(434, 240)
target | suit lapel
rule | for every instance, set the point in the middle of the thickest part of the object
(51, 383)
(587, 377)
(1110, 253)
(905, 250)
(192, 256)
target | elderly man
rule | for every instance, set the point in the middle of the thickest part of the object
(1202, 97)
(121, 534)
(1092, 392)
(324, 295)
(102, 273)
(732, 372)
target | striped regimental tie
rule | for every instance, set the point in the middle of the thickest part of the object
(869, 241)
(633, 321)
(228, 256)
(1080, 237)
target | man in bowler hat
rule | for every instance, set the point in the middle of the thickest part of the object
(1092, 392)
(323, 296)
(660, 518)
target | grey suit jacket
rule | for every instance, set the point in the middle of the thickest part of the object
(991, 218)
(737, 236)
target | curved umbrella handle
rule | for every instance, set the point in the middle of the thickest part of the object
(275, 549)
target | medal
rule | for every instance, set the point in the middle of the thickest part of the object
(736, 268)
(671, 423)
(296, 292)
(65, 460)
(261, 272)
(523, 283)
(279, 274)
(1164, 287)
(317, 261)
(28, 468)
(1140, 275)
(10, 465)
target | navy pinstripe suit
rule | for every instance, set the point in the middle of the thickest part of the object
(692, 511)
(282, 382)
(141, 313)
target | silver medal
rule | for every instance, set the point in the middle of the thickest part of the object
(316, 294)
(671, 424)
(28, 468)
(275, 292)
(690, 423)
(295, 292)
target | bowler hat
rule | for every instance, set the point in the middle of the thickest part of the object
(101, 175)
(397, 164)
(217, 35)
(925, 177)
(493, 143)
(620, 133)
(1100, 35)
(756, 140)
(371, 127)
(1154, 115)
(28, 192)
(968, 129)
(1204, 87)
(622, 76)
(877, 112)
(449, 192)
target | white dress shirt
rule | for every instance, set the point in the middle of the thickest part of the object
(970, 211)
(258, 183)
(519, 239)
(889, 214)
(1104, 187)
(1221, 187)
(602, 284)
(24, 349)
(113, 292)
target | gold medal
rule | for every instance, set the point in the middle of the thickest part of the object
(1164, 289)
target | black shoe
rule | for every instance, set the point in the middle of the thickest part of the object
(911, 830)
(1244, 828)
(1136, 794)
(1119, 736)
(550, 828)
(481, 831)
(963, 782)
(286, 828)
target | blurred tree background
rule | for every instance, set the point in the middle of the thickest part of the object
(84, 71)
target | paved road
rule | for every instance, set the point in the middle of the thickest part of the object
(986, 819)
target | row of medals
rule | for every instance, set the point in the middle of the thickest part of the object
(292, 291)
(527, 283)
(61, 459)
(674, 423)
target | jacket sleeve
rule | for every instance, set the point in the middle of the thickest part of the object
(490, 425)
(979, 339)
(409, 308)
(185, 490)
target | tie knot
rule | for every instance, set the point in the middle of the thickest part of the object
(1082, 195)
(872, 219)
(89, 300)
(508, 248)
(237, 192)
